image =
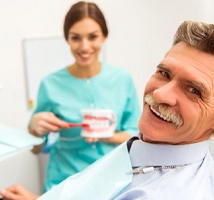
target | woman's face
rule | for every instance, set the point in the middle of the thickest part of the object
(85, 39)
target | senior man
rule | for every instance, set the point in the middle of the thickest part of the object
(170, 159)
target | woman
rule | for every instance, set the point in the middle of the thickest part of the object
(85, 84)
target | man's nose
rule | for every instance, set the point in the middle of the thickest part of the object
(166, 94)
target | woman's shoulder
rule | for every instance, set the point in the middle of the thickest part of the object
(58, 74)
(116, 70)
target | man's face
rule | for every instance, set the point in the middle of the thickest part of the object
(179, 103)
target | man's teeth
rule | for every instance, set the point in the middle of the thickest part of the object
(160, 115)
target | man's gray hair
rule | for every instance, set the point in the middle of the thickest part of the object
(197, 34)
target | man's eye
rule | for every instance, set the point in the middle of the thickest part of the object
(195, 91)
(165, 74)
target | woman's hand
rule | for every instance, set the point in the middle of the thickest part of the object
(45, 122)
(91, 140)
(17, 192)
(117, 138)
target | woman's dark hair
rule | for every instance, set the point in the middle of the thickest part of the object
(82, 10)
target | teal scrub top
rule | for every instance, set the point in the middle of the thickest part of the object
(65, 96)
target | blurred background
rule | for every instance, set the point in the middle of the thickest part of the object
(141, 32)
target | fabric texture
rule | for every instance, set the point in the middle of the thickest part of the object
(99, 181)
(192, 178)
(109, 177)
(65, 96)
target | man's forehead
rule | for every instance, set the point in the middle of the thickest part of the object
(189, 62)
(193, 50)
(192, 56)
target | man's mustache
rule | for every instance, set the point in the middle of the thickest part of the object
(164, 111)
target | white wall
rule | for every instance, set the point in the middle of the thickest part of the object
(140, 33)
